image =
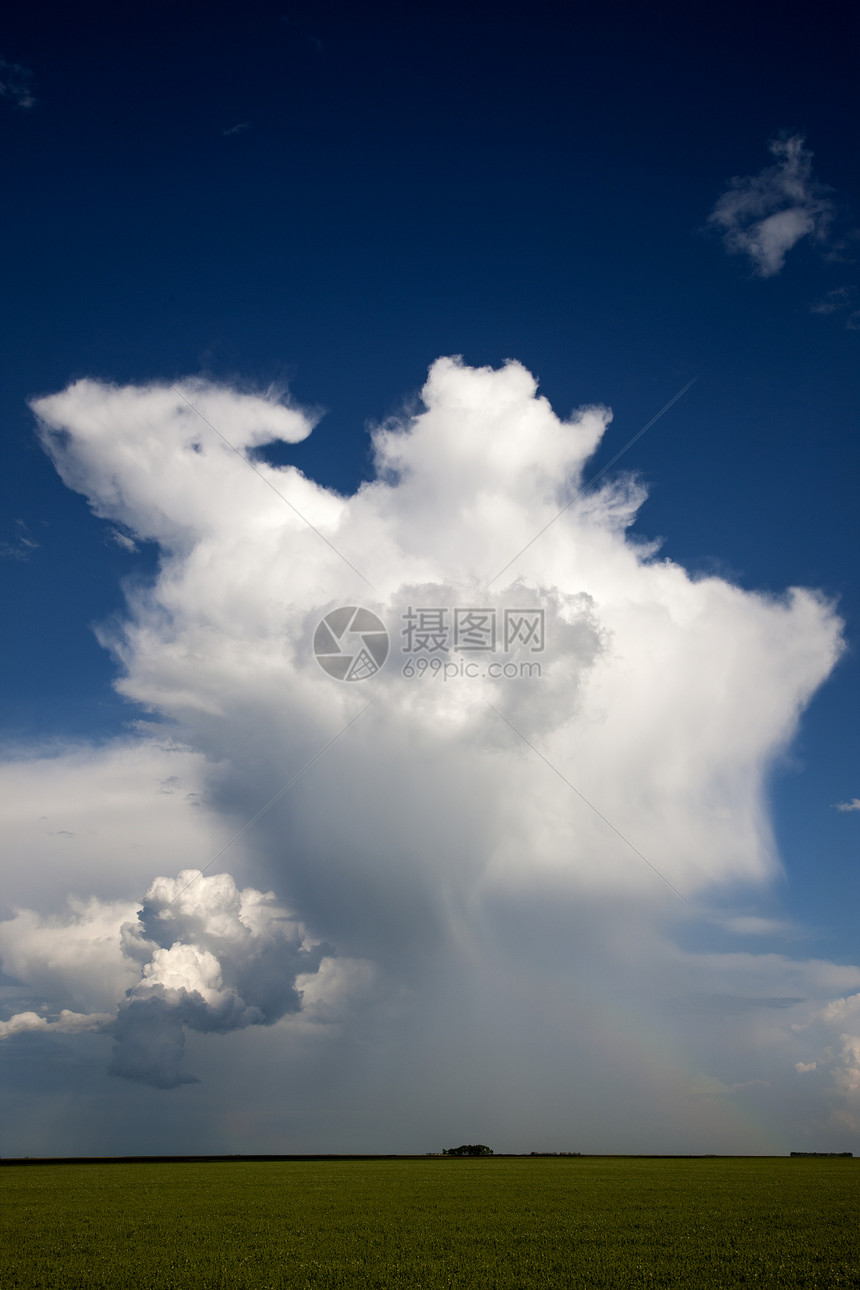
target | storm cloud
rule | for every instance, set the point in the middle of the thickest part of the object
(487, 874)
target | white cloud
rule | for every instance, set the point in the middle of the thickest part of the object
(832, 1034)
(489, 926)
(83, 819)
(765, 215)
(847, 1073)
(200, 954)
(852, 805)
(74, 957)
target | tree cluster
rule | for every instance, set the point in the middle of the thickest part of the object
(474, 1150)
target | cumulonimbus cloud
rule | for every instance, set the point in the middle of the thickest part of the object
(454, 829)
(686, 688)
(763, 216)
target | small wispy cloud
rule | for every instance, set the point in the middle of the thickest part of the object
(853, 805)
(841, 300)
(122, 539)
(238, 128)
(16, 84)
(763, 216)
(20, 546)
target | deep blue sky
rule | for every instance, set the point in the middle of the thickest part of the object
(332, 196)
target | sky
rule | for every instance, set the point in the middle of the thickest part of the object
(429, 552)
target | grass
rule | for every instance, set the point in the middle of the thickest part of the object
(593, 1222)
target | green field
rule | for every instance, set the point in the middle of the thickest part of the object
(432, 1223)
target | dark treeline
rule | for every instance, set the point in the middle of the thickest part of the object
(839, 1155)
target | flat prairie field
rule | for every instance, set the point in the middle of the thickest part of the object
(497, 1222)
